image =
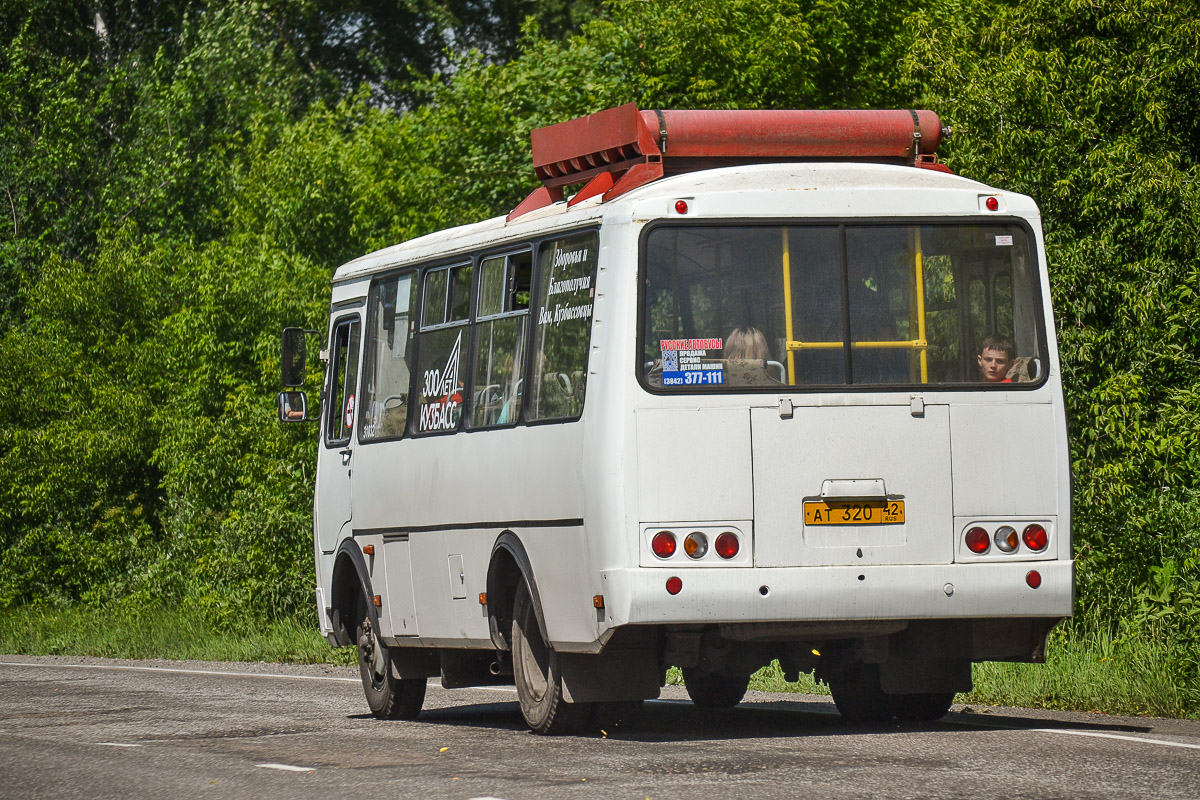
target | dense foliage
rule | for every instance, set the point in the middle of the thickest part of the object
(179, 179)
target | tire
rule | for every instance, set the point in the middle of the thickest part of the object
(537, 673)
(714, 689)
(920, 707)
(389, 697)
(858, 695)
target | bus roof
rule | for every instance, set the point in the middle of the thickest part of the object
(796, 190)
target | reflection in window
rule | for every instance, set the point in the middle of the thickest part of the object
(504, 283)
(440, 377)
(343, 378)
(388, 359)
(566, 270)
(861, 304)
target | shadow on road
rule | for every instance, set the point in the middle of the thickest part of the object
(680, 721)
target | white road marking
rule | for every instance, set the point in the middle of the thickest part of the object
(184, 671)
(286, 767)
(117, 744)
(1100, 735)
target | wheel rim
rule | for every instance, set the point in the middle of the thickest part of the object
(372, 655)
(534, 658)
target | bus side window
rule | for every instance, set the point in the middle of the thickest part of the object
(388, 359)
(444, 329)
(501, 324)
(343, 377)
(565, 291)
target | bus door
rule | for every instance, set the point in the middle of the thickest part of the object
(334, 503)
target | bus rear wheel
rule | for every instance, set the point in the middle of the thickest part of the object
(920, 707)
(537, 672)
(389, 697)
(714, 689)
(858, 695)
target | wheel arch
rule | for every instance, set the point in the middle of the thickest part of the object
(508, 565)
(350, 586)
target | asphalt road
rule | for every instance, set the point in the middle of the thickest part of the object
(92, 728)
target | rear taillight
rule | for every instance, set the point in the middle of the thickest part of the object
(1035, 537)
(727, 545)
(978, 540)
(663, 544)
(1006, 538)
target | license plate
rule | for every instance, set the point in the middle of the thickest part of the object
(854, 512)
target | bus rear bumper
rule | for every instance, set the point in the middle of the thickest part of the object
(892, 592)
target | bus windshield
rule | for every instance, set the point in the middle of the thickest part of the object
(766, 306)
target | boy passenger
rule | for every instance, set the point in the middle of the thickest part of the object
(996, 356)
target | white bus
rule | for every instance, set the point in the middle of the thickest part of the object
(771, 385)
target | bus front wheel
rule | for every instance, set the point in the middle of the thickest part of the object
(388, 696)
(537, 672)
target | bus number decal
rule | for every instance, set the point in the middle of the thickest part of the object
(440, 395)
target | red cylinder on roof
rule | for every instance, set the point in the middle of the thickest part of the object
(795, 134)
(621, 148)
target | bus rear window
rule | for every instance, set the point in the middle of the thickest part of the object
(763, 307)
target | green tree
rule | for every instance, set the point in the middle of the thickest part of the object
(1091, 108)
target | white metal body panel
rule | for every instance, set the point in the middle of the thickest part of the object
(1002, 459)
(793, 457)
(694, 464)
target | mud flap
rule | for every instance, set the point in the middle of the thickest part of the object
(626, 669)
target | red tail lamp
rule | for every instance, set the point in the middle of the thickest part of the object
(663, 544)
(727, 545)
(978, 540)
(1035, 537)
(1033, 578)
(674, 585)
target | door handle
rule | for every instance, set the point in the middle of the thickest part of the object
(345, 454)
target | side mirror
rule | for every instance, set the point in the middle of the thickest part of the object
(293, 357)
(293, 406)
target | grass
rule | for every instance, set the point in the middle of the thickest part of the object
(164, 633)
(1085, 671)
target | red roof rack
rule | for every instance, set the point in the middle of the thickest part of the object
(621, 148)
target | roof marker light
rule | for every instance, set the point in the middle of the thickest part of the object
(681, 207)
(992, 204)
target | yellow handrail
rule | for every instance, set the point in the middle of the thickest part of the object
(914, 344)
(787, 305)
(920, 270)
(920, 344)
